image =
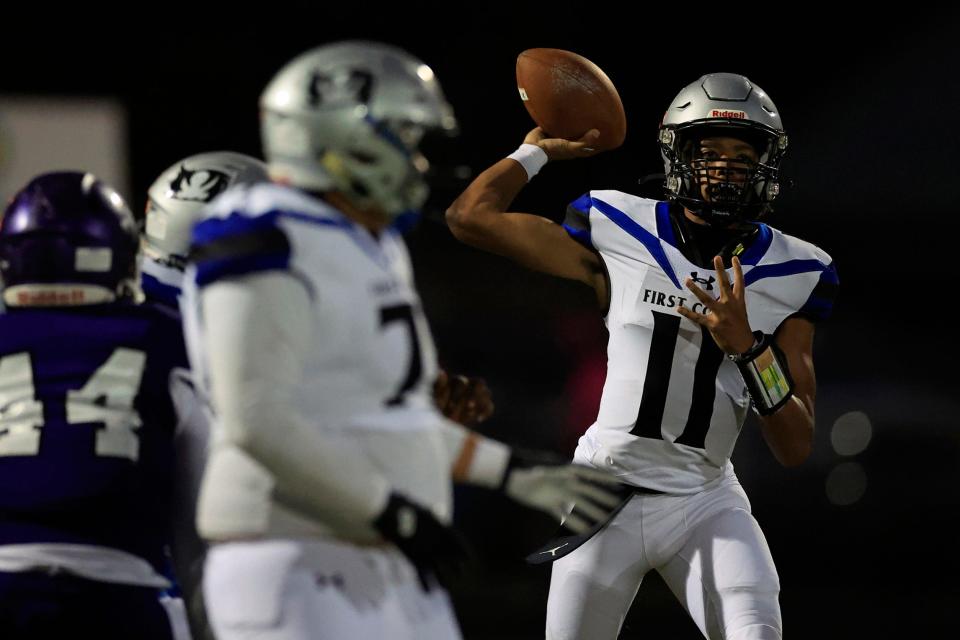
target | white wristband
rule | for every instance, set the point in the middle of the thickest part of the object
(531, 157)
(489, 463)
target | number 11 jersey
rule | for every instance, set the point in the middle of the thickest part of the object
(673, 404)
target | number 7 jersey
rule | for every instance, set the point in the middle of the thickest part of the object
(673, 404)
(370, 362)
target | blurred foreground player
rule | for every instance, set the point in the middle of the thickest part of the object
(327, 492)
(175, 204)
(707, 309)
(86, 421)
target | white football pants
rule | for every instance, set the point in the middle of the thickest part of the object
(320, 590)
(707, 547)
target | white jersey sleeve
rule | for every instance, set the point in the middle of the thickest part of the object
(254, 355)
(252, 337)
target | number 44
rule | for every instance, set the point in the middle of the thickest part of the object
(107, 398)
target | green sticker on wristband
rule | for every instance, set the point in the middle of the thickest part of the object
(773, 383)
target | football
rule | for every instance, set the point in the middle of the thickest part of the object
(567, 95)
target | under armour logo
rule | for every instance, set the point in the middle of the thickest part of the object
(351, 87)
(202, 185)
(706, 282)
(553, 552)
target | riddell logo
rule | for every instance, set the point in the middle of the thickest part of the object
(50, 298)
(721, 113)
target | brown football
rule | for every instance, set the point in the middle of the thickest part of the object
(567, 95)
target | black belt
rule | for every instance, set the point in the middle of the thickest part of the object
(560, 545)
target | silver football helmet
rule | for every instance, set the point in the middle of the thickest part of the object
(349, 117)
(727, 190)
(175, 200)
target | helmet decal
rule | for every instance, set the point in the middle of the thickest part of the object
(177, 197)
(201, 185)
(352, 87)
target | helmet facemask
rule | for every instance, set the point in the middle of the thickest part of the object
(382, 168)
(723, 190)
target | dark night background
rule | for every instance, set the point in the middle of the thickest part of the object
(870, 104)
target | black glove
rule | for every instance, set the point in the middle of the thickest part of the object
(436, 550)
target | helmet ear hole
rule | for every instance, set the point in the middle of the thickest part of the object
(359, 188)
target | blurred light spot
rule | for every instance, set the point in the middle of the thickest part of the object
(283, 98)
(425, 73)
(851, 433)
(846, 484)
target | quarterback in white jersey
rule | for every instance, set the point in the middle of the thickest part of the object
(708, 312)
(327, 493)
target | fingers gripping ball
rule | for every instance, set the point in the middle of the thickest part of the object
(567, 95)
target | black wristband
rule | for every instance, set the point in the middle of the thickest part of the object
(760, 343)
(766, 374)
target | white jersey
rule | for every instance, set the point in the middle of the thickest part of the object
(672, 404)
(367, 377)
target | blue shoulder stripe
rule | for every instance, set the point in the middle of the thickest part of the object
(238, 223)
(759, 247)
(789, 268)
(580, 235)
(650, 241)
(240, 244)
(582, 204)
(664, 225)
(210, 271)
(819, 308)
(577, 221)
(820, 303)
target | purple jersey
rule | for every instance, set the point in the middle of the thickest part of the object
(87, 425)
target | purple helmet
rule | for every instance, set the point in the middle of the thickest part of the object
(68, 239)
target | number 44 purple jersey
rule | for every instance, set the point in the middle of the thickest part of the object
(86, 426)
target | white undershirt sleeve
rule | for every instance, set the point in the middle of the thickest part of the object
(256, 330)
(474, 459)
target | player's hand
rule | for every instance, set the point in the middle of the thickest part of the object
(561, 149)
(727, 319)
(435, 549)
(462, 399)
(552, 488)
